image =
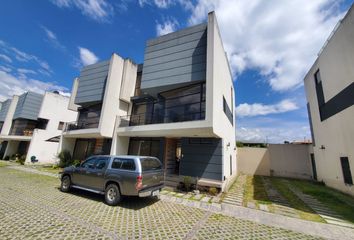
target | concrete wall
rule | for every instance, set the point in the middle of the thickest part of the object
(334, 137)
(219, 84)
(253, 161)
(112, 105)
(55, 109)
(9, 116)
(282, 160)
(290, 160)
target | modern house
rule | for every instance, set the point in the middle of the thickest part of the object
(178, 106)
(329, 86)
(31, 125)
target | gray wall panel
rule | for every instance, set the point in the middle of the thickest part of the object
(202, 160)
(95, 66)
(4, 109)
(28, 106)
(176, 41)
(178, 48)
(175, 64)
(92, 83)
(190, 53)
(177, 34)
(176, 58)
(199, 67)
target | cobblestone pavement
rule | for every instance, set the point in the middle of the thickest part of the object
(32, 207)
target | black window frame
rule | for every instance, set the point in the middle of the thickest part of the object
(60, 125)
(347, 174)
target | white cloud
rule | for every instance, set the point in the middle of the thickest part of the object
(22, 56)
(279, 38)
(11, 85)
(87, 57)
(5, 58)
(5, 69)
(257, 109)
(164, 4)
(26, 71)
(168, 26)
(98, 10)
(276, 134)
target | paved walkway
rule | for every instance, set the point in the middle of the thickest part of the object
(247, 221)
(279, 203)
(32, 207)
(235, 193)
(32, 170)
(327, 214)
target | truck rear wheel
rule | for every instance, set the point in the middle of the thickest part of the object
(112, 195)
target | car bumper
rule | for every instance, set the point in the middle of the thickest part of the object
(150, 191)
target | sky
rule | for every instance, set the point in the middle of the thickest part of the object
(270, 46)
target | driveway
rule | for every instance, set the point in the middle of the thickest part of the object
(32, 207)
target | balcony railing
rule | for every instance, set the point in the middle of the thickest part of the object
(22, 132)
(77, 125)
(150, 118)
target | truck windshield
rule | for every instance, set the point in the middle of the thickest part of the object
(148, 164)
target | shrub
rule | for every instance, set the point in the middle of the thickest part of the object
(213, 191)
(65, 159)
(7, 158)
(187, 180)
(21, 159)
(76, 162)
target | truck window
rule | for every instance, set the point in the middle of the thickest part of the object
(123, 163)
(148, 164)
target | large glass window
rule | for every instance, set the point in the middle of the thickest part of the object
(23, 127)
(178, 105)
(144, 147)
(89, 117)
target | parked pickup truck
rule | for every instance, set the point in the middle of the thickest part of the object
(115, 176)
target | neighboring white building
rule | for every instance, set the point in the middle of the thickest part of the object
(329, 86)
(178, 106)
(31, 125)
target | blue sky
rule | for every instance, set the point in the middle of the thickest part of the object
(270, 44)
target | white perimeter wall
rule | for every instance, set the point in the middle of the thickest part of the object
(282, 160)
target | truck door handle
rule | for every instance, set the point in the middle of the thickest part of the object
(99, 174)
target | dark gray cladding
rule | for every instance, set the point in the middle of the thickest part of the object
(28, 106)
(344, 99)
(92, 82)
(4, 109)
(175, 59)
(202, 158)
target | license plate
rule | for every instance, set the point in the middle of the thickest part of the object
(155, 193)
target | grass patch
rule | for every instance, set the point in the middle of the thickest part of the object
(303, 210)
(255, 191)
(339, 202)
(2, 164)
